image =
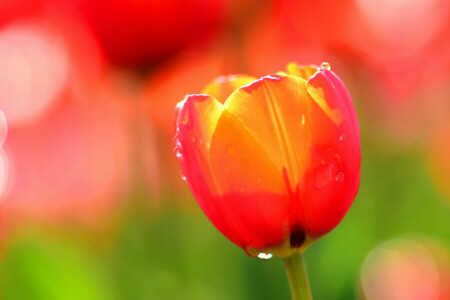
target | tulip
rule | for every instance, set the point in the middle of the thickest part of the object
(134, 33)
(276, 164)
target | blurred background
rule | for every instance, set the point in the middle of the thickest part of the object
(92, 203)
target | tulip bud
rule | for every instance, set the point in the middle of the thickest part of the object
(274, 165)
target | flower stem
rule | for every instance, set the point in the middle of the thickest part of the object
(298, 278)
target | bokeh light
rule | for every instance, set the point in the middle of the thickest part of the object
(34, 70)
(407, 269)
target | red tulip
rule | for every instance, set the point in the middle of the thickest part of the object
(137, 32)
(276, 164)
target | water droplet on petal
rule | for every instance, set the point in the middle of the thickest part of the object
(177, 151)
(303, 120)
(340, 177)
(182, 176)
(342, 137)
(265, 256)
(325, 65)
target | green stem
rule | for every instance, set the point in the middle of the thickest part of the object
(298, 278)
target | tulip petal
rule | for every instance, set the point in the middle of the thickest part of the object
(331, 181)
(273, 110)
(253, 196)
(223, 86)
(197, 119)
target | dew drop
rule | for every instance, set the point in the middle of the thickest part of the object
(325, 65)
(177, 151)
(182, 176)
(303, 119)
(340, 177)
(265, 256)
(342, 137)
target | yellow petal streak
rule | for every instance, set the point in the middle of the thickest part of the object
(281, 131)
(238, 162)
(272, 109)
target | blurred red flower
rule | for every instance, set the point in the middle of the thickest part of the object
(275, 165)
(142, 32)
(295, 30)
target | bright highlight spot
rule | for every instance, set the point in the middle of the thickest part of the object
(265, 256)
(34, 70)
